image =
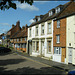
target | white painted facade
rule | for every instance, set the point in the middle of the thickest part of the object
(0, 41)
(70, 40)
(42, 39)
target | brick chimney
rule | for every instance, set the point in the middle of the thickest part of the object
(23, 27)
(13, 25)
(18, 23)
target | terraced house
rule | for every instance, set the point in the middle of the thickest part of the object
(40, 36)
(12, 31)
(19, 39)
(48, 36)
(64, 35)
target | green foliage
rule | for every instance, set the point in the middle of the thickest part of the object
(6, 4)
(11, 47)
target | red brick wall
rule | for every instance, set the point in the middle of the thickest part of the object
(61, 31)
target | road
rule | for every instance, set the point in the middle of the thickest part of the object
(17, 64)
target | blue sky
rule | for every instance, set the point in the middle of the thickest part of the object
(25, 13)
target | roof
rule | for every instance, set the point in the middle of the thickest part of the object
(70, 10)
(46, 17)
(20, 34)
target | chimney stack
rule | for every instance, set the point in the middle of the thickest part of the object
(13, 25)
(18, 23)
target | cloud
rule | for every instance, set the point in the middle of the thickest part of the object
(41, 2)
(6, 24)
(27, 7)
(31, 21)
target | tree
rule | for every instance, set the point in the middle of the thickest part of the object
(6, 4)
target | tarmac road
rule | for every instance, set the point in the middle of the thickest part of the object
(16, 64)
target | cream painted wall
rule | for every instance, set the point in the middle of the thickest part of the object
(70, 29)
(42, 36)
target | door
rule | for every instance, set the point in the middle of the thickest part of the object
(63, 55)
(70, 55)
(43, 51)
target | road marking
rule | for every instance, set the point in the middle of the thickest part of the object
(40, 63)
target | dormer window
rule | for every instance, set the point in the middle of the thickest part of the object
(38, 18)
(50, 13)
(58, 10)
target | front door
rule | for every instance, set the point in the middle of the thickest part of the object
(63, 55)
(70, 55)
(43, 51)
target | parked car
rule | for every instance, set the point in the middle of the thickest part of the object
(4, 50)
(72, 72)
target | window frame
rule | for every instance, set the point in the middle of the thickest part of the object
(42, 29)
(58, 38)
(33, 43)
(57, 51)
(37, 46)
(58, 23)
(49, 28)
(48, 46)
(29, 32)
(36, 30)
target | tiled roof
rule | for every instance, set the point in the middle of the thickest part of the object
(70, 10)
(20, 34)
(46, 17)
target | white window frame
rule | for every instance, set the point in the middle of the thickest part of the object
(21, 39)
(30, 32)
(25, 39)
(48, 47)
(36, 46)
(33, 43)
(58, 10)
(36, 30)
(50, 27)
(57, 50)
(58, 23)
(74, 37)
(57, 38)
(42, 28)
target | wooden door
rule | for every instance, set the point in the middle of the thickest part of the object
(63, 54)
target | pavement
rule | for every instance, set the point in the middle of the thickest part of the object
(62, 66)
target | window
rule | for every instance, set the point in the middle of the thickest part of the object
(57, 50)
(14, 39)
(42, 29)
(37, 46)
(21, 39)
(24, 45)
(58, 38)
(25, 39)
(49, 46)
(36, 30)
(21, 45)
(50, 13)
(49, 27)
(57, 10)
(74, 37)
(17, 40)
(58, 23)
(38, 18)
(33, 46)
(30, 32)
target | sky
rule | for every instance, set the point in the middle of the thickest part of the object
(25, 13)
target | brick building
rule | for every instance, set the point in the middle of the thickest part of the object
(64, 35)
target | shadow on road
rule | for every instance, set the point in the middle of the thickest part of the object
(28, 70)
(11, 61)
